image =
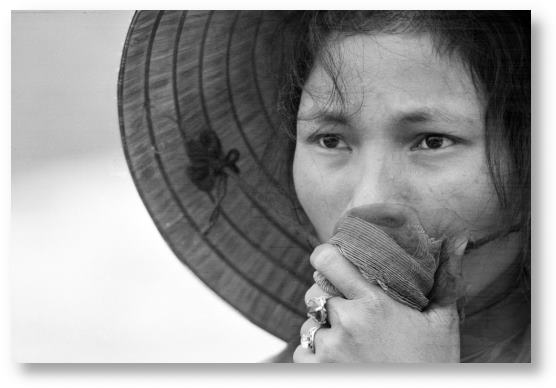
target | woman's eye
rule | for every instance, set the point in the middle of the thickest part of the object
(434, 142)
(331, 141)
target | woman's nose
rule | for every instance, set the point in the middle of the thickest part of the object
(389, 216)
(377, 179)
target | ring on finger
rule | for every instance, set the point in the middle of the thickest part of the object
(308, 339)
(316, 309)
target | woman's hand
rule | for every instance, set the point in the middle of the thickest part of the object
(369, 326)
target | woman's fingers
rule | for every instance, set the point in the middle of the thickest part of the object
(308, 325)
(332, 305)
(314, 292)
(308, 355)
(339, 271)
(305, 356)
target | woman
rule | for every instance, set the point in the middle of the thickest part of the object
(427, 112)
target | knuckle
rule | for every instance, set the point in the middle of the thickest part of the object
(334, 316)
(306, 326)
(347, 322)
(376, 302)
(323, 256)
(336, 313)
(333, 308)
(312, 292)
(379, 308)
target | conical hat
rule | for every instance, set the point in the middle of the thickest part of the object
(200, 131)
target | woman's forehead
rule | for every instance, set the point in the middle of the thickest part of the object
(399, 72)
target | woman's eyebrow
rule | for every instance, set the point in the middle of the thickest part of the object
(431, 115)
(334, 117)
(401, 118)
(325, 115)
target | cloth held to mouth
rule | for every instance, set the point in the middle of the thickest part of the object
(389, 246)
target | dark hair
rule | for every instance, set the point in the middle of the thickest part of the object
(493, 45)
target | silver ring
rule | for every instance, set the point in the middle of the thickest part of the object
(308, 340)
(316, 309)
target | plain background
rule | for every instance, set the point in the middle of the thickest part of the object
(541, 373)
(92, 279)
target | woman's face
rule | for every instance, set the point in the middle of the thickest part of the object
(411, 131)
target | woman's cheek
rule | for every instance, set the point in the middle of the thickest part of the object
(323, 193)
(462, 200)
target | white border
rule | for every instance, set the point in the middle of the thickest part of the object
(544, 267)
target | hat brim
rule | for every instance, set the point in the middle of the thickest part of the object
(183, 73)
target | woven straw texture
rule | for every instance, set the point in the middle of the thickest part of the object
(185, 73)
